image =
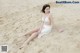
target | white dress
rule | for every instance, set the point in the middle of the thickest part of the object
(46, 28)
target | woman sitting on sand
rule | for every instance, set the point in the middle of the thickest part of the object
(45, 27)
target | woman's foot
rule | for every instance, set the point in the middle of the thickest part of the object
(20, 47)
(24, 45)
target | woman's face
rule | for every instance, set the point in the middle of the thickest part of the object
(47, 10)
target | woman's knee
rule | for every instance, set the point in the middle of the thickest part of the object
(35, 33)
(36, 29)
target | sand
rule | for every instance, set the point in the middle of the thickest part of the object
(17, 17)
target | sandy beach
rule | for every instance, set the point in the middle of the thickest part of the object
(17, 17)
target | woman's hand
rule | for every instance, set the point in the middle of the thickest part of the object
(61, 30)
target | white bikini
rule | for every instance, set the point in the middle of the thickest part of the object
(46, 28)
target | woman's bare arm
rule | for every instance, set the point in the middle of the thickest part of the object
(52, 23)
(51, 20)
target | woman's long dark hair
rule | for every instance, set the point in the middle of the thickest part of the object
(44, 7)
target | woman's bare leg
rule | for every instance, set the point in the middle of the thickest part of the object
(34, 35)
(31, 32)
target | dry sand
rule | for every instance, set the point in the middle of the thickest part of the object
(17, 17)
